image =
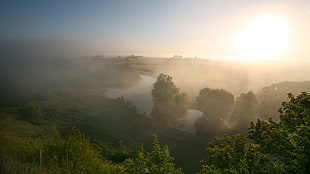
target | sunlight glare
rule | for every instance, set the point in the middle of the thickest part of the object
(264, 36)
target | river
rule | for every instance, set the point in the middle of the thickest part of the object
(140, 95)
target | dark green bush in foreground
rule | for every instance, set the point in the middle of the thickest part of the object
(270, 147)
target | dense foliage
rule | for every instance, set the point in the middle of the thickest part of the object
(158, 161)
(215, 105)
(245, 111)
(270, 147)
(209, 101)
(289, 139)
(170, 105)
(235, 154)
(76, 153)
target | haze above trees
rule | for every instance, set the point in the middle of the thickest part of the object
(113, 137)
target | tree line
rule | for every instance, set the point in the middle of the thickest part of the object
(222, 112)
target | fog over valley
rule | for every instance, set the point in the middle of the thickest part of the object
(133, 78)
(155, 87)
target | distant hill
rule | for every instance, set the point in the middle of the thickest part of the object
(271, 97)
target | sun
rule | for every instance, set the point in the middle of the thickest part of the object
(263, 37)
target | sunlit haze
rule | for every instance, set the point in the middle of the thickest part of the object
(264, 36)
(154, 86)
(265, 29)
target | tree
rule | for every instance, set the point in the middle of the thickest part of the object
(215, 103)
(158, 161)
(270, 147)
(31, 111)
(235, 154)
(288, 140)
(245, 111)
(170, 106)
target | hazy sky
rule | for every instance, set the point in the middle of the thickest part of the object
(159, 27)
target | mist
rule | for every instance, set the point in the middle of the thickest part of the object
(110, 97)
(27, 71)
(154, 86)
(237, 77)
(139, 95)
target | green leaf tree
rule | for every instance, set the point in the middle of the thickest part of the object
(288, 140)
(158, 161)
(215, 103)
(270, 147)
(170, 106)
(236, 154)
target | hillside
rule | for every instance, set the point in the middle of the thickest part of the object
(272, 96)
(108, 122)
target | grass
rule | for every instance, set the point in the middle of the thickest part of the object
(106, 121)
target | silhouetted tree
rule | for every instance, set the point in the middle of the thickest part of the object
(245, 111)
(170, 106)
(215, 103)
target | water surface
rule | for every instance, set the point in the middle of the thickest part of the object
(140, 95)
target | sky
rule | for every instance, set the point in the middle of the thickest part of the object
(150, 28)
